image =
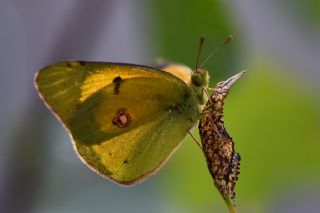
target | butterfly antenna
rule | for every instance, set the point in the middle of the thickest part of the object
(199, 50)
(226, 41)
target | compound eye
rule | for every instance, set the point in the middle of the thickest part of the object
(197, 79)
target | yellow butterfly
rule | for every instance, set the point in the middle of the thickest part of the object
(124, 120)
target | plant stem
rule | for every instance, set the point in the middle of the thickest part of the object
(231, 206)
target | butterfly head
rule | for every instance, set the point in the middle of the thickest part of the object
(200, 78)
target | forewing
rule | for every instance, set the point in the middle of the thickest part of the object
(152, 109)
(65, 85)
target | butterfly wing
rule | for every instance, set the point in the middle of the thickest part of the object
(124, 120)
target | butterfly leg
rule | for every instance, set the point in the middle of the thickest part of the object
(203, 113)
(195, 139)
(209, 89)
(205, 90)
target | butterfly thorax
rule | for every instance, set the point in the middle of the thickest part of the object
(196, 81)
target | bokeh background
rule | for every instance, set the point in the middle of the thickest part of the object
(273, 112)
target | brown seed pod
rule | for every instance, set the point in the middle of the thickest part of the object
(217, 145)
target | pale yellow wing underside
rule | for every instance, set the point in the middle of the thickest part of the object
(87, 97)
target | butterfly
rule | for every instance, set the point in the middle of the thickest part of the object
(124, 120)
(218, 147)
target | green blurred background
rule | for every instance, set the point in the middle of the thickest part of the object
(273, 112)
